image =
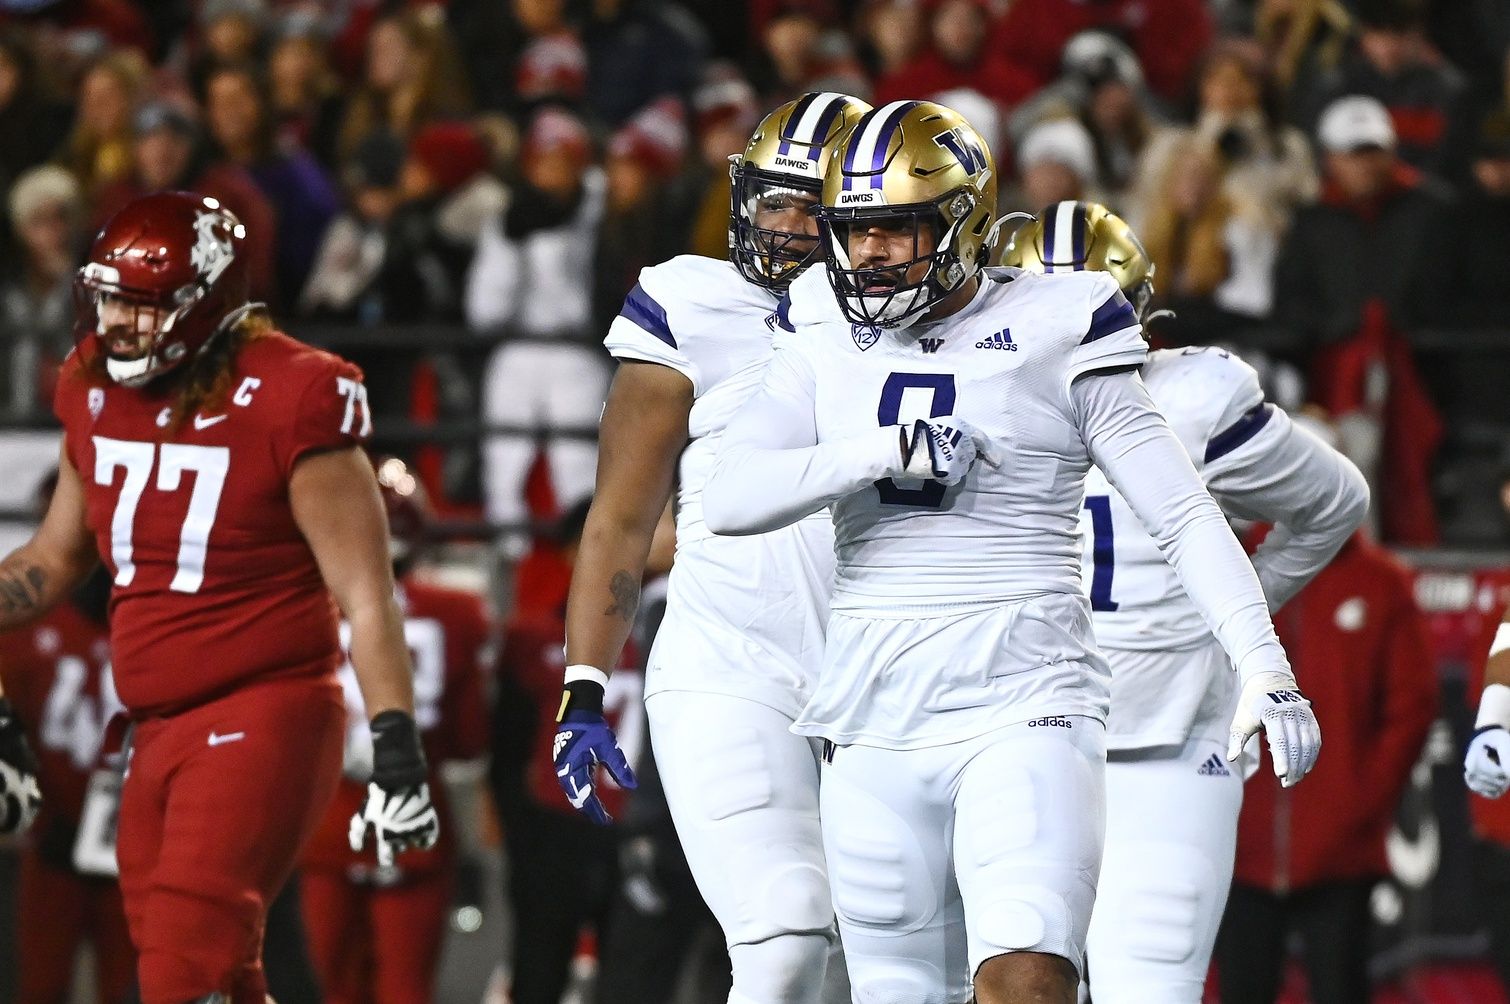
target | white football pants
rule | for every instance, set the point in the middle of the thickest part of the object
(743, 791)
(1171, 832)
(943, 857)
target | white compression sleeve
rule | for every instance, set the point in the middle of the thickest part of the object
(1312, 494)
(771, 471)
(1131, 443)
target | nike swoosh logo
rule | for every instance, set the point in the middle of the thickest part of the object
(200, 422)
(229, 737)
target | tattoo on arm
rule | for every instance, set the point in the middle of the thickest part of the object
(625, 589)
(21, 587)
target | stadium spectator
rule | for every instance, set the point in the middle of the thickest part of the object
(563, 869)
(1056, 162)
(307, 99)
(1214, 258)
(726, 111)
(552, 68)
(892, 33)
(1102, 87)
(532, 276)
(31, 125)
(1169, 36)
(98, 150)
(1357, 268)
(638, 51)
(243, 132)
(168, 153)
(1301, 39)
(1478, 295)
(958, 56)
(1376, 232)
(413, 77)
(642, 224)
(229, 32)
(1393, 60)
(1308, 857)
(341, 281)
(36, 292)
(1267, 169)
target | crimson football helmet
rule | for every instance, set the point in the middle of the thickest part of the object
(165, 275)
(410, 517)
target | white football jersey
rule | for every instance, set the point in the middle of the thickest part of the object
(1213, 403)
(1001, 546)
(745, 616)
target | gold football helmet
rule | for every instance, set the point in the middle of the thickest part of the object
(782, 170)
(917, 165)
(1081, 236)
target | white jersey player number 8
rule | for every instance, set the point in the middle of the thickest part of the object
(907, 397)
(209, 464)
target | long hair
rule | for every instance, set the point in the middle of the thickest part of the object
(441, 92)
(1190, 251)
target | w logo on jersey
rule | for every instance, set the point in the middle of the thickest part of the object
(969, 154)
(930, 345)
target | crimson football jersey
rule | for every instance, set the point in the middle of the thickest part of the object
(57, 674)
(213, 582)
(450, 638)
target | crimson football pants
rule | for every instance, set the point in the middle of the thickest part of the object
(375, 945)
(218, 801)
(60, 911)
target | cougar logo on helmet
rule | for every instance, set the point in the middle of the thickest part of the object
(908, 167)
(776, 182)
(212, 253)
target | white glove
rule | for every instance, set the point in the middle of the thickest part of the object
(1273, 702)
(399, 820)
(1484, 764)
(939, 449)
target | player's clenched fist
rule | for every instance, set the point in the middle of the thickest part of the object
(398, 809)
(939, 449)
(1273, 702)
(20, 798)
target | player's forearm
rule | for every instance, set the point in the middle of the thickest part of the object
(1130, 441)
(31, 582)
(1314, 497)
(380, 657)
(756, 490)
(1494, 702)
(605, 588)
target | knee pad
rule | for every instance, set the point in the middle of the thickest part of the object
(787, 969)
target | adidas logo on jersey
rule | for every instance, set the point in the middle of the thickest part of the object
(1057, 721)
(1001, 340)
(1213, 767)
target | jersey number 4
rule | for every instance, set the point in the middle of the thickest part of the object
(209, 465)
(907, 397)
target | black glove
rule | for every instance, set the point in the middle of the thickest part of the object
(398, 807)
(20, 798)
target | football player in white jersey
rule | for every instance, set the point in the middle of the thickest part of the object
(1171, 800)
(735, 658)
(949, 415)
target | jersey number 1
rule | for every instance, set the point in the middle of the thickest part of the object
(933, 395)
(209, 464)
(1103, 557)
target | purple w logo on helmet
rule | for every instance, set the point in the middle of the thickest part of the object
(965, 149)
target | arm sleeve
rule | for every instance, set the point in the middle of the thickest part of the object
(491, 281)
(771, 471)
(1284, 475)
(1131, 443)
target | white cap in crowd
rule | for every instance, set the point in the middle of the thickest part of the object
(1353, 123)
(1059, 141)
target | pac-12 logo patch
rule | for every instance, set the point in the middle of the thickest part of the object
(865, 335)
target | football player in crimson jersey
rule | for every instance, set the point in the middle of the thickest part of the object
(214, 462)
(375, 934)
(58, 673)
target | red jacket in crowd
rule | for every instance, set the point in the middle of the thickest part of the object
(1360, 651)
(1169, 36)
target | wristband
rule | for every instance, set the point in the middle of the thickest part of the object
(398, 758)
(1494, 708)
(583, 691)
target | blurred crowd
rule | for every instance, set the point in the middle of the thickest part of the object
(1321, 183)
